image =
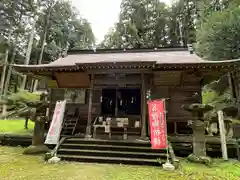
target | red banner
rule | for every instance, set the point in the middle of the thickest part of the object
(157, 121)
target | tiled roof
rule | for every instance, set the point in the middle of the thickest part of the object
(180, 57)
(159, 57)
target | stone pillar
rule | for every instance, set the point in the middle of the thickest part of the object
(199, 144)
(90, 97)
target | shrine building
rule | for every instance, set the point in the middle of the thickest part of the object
(114, 85)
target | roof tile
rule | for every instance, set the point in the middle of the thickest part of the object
(159, 57)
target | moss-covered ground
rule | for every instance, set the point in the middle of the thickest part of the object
(16, 166)
(15, 126)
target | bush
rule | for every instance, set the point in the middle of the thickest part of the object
(217, 100)
(19, 100)
(23, 96)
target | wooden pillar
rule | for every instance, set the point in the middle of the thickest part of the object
(116, 103)
(89, 122)
(175, 128)
(143, 107)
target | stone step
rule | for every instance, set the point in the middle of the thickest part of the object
(77, 140)
(112, 153)
(112, 160)
(110, 147)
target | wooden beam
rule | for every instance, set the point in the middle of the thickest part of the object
(96, 87)
(127, 71)
(90, 98)
(112, 81)
(143, 107)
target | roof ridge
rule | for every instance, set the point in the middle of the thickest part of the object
(129, 50)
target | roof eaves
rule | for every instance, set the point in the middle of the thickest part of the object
(42, 68)
(201, 64)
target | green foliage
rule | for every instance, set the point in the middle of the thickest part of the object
(81, 36)
(57, 25)
(218, 38)
(65, 26)
(208, 96)
(217, 100)
(220, 101)
(22, 97)
(150, 23)
(18, 101)
(220, 86)
(207, 7)
(66, 30)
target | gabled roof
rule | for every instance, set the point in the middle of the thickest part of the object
(154, 58)
(158, 57)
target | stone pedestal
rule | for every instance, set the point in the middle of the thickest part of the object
(198, 127)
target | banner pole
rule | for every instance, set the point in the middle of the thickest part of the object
(165, 117)
(167, 165)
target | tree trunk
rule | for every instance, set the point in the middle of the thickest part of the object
(29, 51)
(7, 81)
(43, 43)
(8, 78)
(199, 146)
(4, 108)
(5, 65)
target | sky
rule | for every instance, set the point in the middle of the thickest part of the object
(102, 14)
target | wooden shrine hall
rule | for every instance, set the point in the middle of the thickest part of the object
(107, 90)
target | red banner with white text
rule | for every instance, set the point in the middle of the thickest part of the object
(157, 121)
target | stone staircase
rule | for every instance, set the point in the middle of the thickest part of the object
(110, 151)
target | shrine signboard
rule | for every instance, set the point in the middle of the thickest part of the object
(157, 121)
(56, 124)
